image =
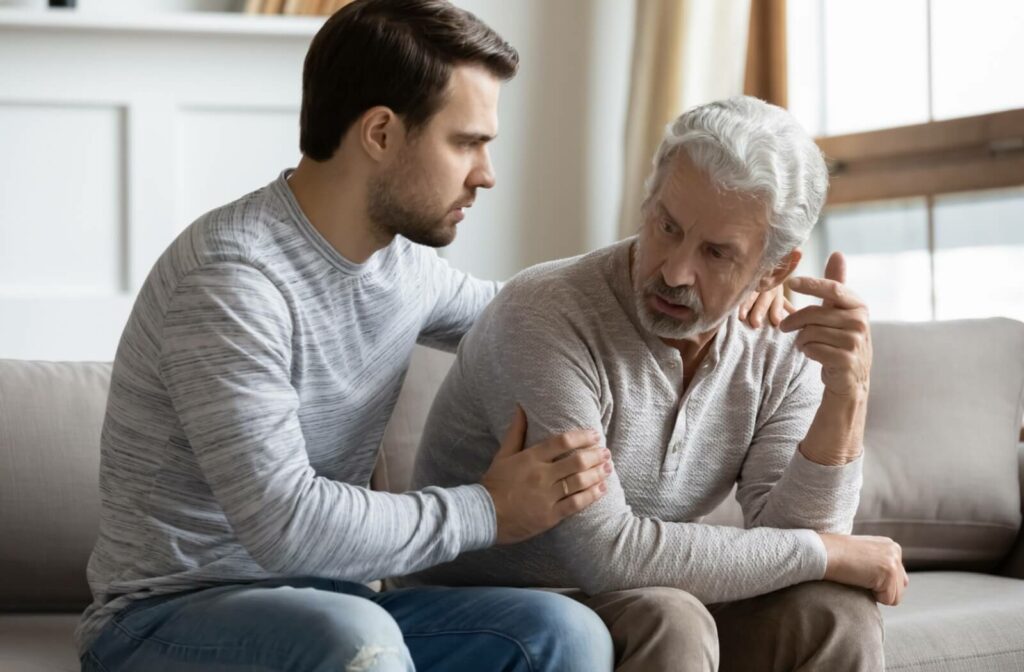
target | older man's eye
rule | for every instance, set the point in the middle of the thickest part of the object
(665, 225)
(716, 252)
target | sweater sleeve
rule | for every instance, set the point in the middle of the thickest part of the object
(541, 360)
(458, 300)
(226, 363)
(779, 487)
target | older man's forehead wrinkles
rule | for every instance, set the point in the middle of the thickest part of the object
(667, 213)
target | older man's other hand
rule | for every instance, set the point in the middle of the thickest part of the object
(837, 333)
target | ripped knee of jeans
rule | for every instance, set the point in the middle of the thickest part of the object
(368, 657)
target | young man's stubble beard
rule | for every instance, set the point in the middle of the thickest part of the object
(396, 207)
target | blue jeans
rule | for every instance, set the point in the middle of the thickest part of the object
(313, 624)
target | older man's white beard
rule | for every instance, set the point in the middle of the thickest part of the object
(668, 327)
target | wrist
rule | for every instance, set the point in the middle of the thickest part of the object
(856, 395)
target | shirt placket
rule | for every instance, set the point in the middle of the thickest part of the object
(678, 441)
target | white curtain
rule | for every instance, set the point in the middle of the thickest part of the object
(685, 53)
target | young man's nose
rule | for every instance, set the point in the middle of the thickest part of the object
(482, 176)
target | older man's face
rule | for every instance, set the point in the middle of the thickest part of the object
(698, 253)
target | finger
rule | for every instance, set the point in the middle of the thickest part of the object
(746, 305)
(561, 445)
(760, 308)
(826, 355)
(835, 293)
(790, 308)
(897, 590)
(835, 267)
(828, 317)
(838, 338)
(582, 480)
(778, 310)
(579, 461)
(515, 435)
(581, 500)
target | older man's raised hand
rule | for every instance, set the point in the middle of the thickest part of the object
(837, 333)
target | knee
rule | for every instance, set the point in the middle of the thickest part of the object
(357, 636)
(566, 635)
(848, 613)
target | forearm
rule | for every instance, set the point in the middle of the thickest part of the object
(820, 488)
(328, 528)
(811, 496)
(836, 435)
(619, 551)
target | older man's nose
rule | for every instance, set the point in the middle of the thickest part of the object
(678, 270)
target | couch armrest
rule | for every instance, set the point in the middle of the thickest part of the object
(1014, 565)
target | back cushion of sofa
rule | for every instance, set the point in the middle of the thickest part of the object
(50, 419)
(940, 470)
(402, 436)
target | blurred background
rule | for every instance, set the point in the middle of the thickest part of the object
(122, 121)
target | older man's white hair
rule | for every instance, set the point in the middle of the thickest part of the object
(747, 145)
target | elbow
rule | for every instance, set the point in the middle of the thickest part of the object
(592, 585)
(594, 580)
(273, 557)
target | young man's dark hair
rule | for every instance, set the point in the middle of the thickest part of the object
(396, 53)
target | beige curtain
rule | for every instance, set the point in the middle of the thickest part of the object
(685, 52)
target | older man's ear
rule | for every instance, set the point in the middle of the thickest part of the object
(769, 299)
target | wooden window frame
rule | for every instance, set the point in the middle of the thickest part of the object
(939, 157)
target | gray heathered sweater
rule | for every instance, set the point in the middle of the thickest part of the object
(563, 339)
(248, 398)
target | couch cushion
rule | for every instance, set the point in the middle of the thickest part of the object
(402, 436)
(956, 621)
(50, 419)
(38, 643)
(940, 469)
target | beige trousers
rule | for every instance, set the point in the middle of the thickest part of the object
(811, 626)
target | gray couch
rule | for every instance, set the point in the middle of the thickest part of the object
(943, 477)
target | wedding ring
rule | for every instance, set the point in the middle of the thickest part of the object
(565, 487)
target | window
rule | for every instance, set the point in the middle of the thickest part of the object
(920, 108)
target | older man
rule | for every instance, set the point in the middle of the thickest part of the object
(641, 339)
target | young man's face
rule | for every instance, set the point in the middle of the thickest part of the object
(434, 177)
(698, 254)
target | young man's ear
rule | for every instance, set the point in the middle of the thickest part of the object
(781, 271)
(380, 131)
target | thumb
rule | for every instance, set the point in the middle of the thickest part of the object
(835, 269)
(515, 435)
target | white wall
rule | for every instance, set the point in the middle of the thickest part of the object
(115, 137)
(562, 120)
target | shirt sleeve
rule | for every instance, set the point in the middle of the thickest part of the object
(226, 363)
(540, 359)
(779, 487)
(459, 300)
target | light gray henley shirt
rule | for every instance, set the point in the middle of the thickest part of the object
(248, 398)
(563, 339)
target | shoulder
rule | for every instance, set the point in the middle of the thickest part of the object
(235, 232)
(562, 286)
